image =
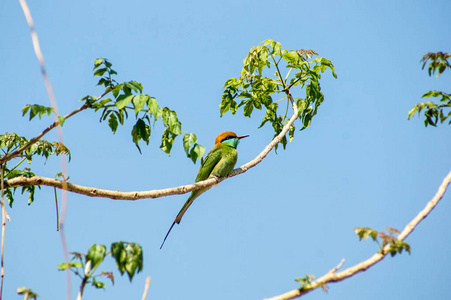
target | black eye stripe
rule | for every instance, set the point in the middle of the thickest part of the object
(227, 138)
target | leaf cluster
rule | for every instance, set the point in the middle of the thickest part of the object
(305, 281)
(36, 110)
(383, 239)
(128, 257)
(253, 89)
(438, 62)
(128, 98)
(39, 110)
(10, 142)
(29, 294)
(434, 112)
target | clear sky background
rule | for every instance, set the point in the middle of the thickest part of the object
(361, 163)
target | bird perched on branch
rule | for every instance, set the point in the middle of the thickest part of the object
(219, 162)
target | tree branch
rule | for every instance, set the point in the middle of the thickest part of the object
(2, 269)
(335, 277)
(146, 288)
(116, 195)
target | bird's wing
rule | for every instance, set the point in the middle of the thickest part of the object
(210, 161)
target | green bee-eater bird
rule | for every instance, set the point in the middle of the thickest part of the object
(219, 162)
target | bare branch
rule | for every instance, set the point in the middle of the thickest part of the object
(335, 277)
(146, 288)
(116, 195)
(2, 270)
(334, 269)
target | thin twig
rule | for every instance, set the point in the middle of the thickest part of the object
(85, 279)
(335, 277)
(6, 213)
(48, 86)
(334, 269)
(57, 212)
(146, 288)
(3, 231)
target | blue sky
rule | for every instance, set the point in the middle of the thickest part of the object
(361, 163)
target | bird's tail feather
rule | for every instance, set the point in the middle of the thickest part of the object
(185, 207)
(187, 204)
(167, 235)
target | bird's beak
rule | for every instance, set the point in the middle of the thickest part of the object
(242, 136)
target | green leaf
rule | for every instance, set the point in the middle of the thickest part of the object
(100, 72)
(129, 258)
(140, 131)
(144, 130)
(104, 81)
(291, 133)
(61, 120)
(174, 123)
(248, 108)
(113, 123)
(139, 102)
(105, 101)
(134, 85)
(166, 141)
(36, 109)
(305, 280)
(365, 232)
(107, 63)
(120, 255)
(25, 109)
(197, 152)
(65, 265)
(9, 197)
(98, 62)
(101, 104)
(116, 90)
(29, 294)
(96, 254)
(153, 106)
(412, 112)
(120, 115)
(30, 190)
(134, 261)
(98, 284)
(123, 100)
(327, 63)
(188, 140)
(291, 57)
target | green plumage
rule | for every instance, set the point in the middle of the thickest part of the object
(219, 162)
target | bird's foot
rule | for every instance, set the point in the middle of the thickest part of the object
(217, 180)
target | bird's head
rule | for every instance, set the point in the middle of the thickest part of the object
(229, 138)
